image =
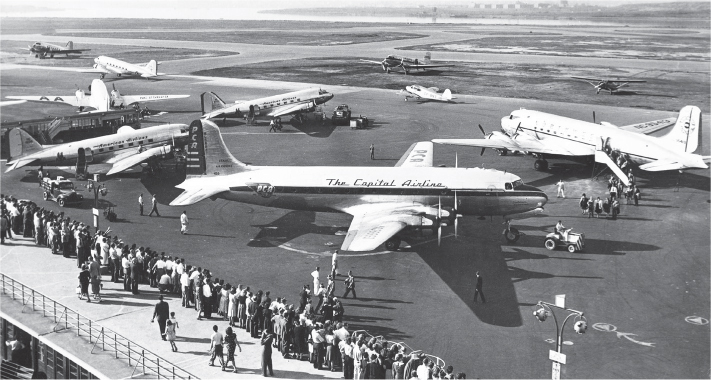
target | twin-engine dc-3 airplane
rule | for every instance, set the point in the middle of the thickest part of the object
(550, 135)
(296, 102)
(407, 64)
(610, 85)
(42, 49)
(386, 202)
(424, 93)
(106, 65)
(121, 151)
(99, 98)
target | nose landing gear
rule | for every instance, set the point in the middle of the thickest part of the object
(511, 233)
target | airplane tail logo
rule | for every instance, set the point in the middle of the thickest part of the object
(22, 144)
(70, 45)
(99, 98)
(211, 102)
(684, 137)
(152, 67)
(207, 153)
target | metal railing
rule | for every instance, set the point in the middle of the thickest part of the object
(404, 348)
(140, 358)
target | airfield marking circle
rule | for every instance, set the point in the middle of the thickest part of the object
(549, 340)
(605, 327)
(694, 320)
(568, 343)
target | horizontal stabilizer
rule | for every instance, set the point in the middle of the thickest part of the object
(196, 190)
(662, 165)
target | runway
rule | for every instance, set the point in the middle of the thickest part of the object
(639, 281)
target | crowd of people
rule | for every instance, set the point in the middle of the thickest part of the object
(610, 205)
(312, 329)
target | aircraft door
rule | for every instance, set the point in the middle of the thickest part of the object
(88, 154)
(81, 164)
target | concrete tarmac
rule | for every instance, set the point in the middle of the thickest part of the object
(640, 280)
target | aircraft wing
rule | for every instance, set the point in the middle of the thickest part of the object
(373, 224)
(531, 145)
(650, 126)
(418, 66)
(420, 154)
(132, 160)
(95, 70)
(75, 51)
(130, 99)
(367, 60)
(68, 99)
(285, 110)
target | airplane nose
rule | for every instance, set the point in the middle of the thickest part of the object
(538, 194)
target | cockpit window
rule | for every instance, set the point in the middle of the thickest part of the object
(517, 183)
(508, 186)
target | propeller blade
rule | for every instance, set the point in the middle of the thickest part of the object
(439, 235)
(456, 214)
(456, 164)
(482, 130)
(456, 227)
(482, 151)
(593, 116)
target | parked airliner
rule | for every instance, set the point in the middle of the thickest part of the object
(106, 65)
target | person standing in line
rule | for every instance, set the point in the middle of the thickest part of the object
(184, 223)
(350, 285)
(598, 207)
(584, 203)
(561, 188)
(636, 194)
(216, 347)
(334, 264)
(478, 289)
(154, 207)
(231, 341)
(372, 151)
(266, 342)
(162, 311)
(84, 280)
(140, 204)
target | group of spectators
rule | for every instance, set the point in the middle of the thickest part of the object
(312, 329)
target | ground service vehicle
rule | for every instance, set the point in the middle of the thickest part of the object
(360, 122)
(60, 190)
(341, 115)
(574, 243)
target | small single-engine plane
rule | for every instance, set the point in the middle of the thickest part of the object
(611, 85)
(425, 94)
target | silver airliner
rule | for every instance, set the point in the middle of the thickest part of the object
(386, 202)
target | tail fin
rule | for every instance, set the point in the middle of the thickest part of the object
(70, 45)
(207, 153)
(22, 144)
(99, 97)
(684, 137)
(428, 57)
(212, 101)
(152, 67)
(447, 95)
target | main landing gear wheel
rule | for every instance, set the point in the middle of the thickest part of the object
(550, 244)
(511, 234)
(540, 165)
(393, 243)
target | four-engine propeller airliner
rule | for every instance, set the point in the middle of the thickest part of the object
(121, 151)
(386, 202)
(406, 64)
(42, 49)
(425, 93)
(99, 98)
(104, 65)
(549, 135)
(611, 85)
(291, 103)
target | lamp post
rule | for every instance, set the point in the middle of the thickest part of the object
(545, 309)
(98, 189)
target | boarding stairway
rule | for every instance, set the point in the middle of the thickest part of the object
(603, 158)
(10, 370)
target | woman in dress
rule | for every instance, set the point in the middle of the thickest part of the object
(242, 307)
(232, 307)
(84, 278)
(170, 334)
(230, 340)
(224, 301)
(96, 287)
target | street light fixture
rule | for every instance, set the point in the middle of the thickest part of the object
(542, 312)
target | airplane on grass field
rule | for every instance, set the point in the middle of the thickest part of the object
(548, 135)
(106, 65)
(42, 49)
(609, 84)
(99, 98)
(292, 103)
(424, 93)
(407, 64)
(120, 151)
(386, 202)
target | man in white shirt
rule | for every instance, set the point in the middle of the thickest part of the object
(216, 347)
(315, 274)
(184, 223)
(423, 370)
(184, 284)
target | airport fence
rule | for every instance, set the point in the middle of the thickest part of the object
(142, 360)
(403, 347)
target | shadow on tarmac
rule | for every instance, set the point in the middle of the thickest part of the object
(289, 227)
